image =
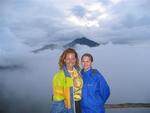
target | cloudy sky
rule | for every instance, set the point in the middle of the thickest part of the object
(36, 22)
(29, 24)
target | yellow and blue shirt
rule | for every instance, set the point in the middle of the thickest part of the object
(67, 87)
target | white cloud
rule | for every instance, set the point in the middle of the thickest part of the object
(83, 22)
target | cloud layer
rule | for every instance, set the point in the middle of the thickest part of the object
(36, 22)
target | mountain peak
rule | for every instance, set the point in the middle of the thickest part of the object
(82, 41)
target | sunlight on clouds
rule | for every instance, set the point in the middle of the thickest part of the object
(103, 17)
(115, 1)
(95, 7)
(94, 15)
(83, 21)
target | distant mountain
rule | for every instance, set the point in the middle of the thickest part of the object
(82, 41)
(10, 67)
(50, 46)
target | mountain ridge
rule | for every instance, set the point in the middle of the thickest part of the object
(72, 44)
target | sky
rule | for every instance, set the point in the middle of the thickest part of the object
(30, 24)
(36, 22)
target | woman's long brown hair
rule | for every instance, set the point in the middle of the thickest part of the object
(64, 54)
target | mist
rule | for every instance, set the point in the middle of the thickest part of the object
(28, 89)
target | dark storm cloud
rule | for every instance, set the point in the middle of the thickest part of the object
(131, 20)
(31, 21)
(79, 11)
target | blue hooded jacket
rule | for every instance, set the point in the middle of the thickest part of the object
(95, 92)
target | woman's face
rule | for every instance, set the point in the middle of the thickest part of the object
(86, 62)
(70, 60)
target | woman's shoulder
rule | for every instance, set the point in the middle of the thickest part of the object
(97, 73)
(60, 74)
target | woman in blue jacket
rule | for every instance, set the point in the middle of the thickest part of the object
(95, 89)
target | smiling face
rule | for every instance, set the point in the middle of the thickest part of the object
(70, 60)
(86, 62)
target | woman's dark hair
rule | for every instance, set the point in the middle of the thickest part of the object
(88, 55)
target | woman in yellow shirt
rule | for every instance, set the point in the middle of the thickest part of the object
(67, 84)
